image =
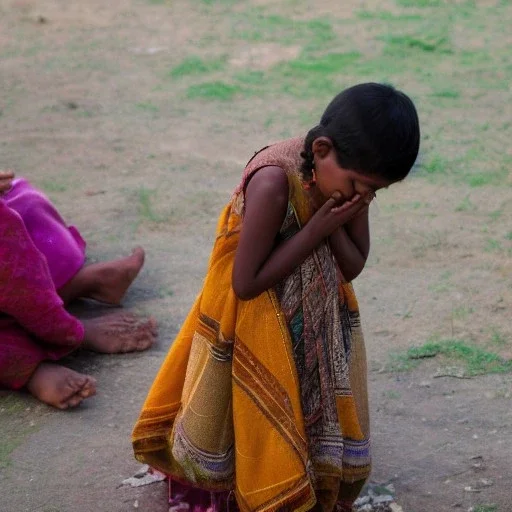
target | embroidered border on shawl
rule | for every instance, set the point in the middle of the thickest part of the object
(265, 391)
(213, 467)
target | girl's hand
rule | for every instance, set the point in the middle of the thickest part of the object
(6, 178)
(335, 213)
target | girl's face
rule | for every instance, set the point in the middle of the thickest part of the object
(331, 178)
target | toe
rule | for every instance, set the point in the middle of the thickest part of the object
(89, 389)
(139, 253)
(153, 324)
(74, 401)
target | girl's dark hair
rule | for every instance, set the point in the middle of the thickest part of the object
(374, 129)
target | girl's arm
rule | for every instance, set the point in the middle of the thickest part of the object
(350, 245)
(259, 262)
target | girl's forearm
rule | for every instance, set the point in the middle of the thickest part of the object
(358, 229)
(281, 262)
(347, 254)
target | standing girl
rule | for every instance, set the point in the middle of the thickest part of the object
(261, 402)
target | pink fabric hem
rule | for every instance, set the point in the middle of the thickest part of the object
(183, 497)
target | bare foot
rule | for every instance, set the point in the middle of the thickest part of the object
(119, 332)
(60, 386)
(111, 279)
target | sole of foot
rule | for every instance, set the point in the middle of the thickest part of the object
(119, 333)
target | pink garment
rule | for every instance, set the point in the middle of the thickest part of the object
(183, 497)
(62, 246)
(34, 326)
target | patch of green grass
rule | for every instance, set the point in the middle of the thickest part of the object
(194, 65)
(270, 121)
(462, 312)
(312, 76)
(508, 236)
(496, 214)
(497, 338)
(485, 508)
(217, 2)
(52, 186)
(433, 44)
(418, 3)
(323, 65)
(387, 16)
(14, 407)
(213, 91)
(7, 446)
(440, 287)
(12, 404)
(84, 113)
(321, 34)
(147, 107)
(481, 179)
(465, 205)
(145, 206)
(400, 207)
(492, 245)
(446, 93)
(474, 58)
(436, 165)
(309, 88)
(256, 26)
(255, 78)
(475, 360)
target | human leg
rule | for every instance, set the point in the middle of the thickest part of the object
(119, 333)
(60, 244)
(105, 281)
(64, 250)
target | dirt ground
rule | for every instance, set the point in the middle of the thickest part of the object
(137, 117)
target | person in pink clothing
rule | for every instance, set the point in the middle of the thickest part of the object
(42, 268)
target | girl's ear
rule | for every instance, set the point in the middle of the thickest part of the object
(321, 146)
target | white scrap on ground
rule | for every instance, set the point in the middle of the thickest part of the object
(144, 476)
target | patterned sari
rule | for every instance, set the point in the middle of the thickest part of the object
(266, 397)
